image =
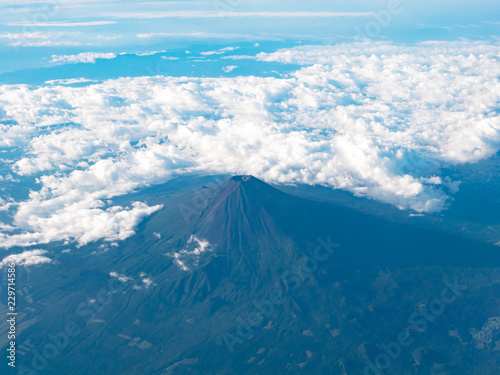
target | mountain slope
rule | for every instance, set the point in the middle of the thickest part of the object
(243, 278)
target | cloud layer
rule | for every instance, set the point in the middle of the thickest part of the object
(85, 57)
(377, 120)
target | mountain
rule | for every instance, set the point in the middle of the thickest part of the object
(242, 278)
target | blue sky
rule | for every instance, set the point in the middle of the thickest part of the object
(30, 30)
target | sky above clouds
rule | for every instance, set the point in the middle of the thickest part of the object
(29, 29)
(375, 98)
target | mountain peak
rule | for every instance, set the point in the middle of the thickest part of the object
(247, 181)
(243, 178)
(237, 212)
(249, 184)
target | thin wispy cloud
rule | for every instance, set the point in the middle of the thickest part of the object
(215, 14)
(61, 24)
(203, 35)
(47, 43)
(42, 39)
(25, 36)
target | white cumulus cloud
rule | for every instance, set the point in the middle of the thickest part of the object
(120, 277)
(189, 257)
(229, 68)
(26, 258)
(84, 57)
(219, 51)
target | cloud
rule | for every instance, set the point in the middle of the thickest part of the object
(61, 24)
(70, 81)
(219, 51)
(238, 57)
(32, 35)
(205, 35)
(4, 205)
(378, 120)
(69, 219)
(147, 53)
(230, 14)
(40, 39)
(48, 43)
(6, 227)
(229, 68)
(144, 282)
(27, 258)
(189, 257)
(120, 277)
(85, 57)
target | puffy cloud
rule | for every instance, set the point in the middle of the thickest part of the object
(5, 206)
(146, 282)
(27, 258)
(229, 68)
(189, 257)
(143, 282)
(452, 86)
(120, 277)
(377, 120)
(6, 227)
(85, 57)
(79, 219)
(219, 51)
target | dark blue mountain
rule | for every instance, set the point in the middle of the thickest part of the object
(242, 278)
